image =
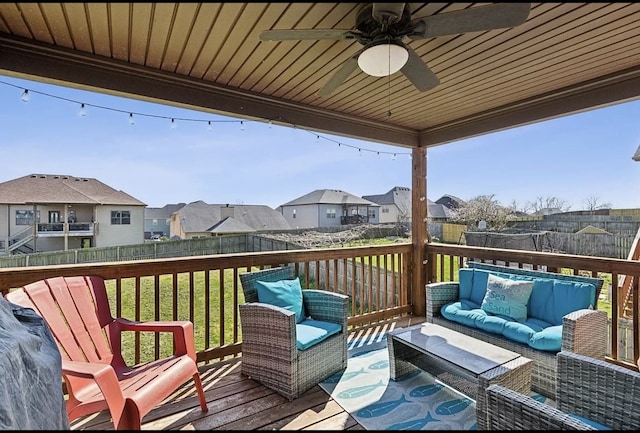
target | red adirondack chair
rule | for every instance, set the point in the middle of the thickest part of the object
(77, 311)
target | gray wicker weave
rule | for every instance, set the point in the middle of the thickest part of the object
(583, 331)
(591, 388)
(269, 352)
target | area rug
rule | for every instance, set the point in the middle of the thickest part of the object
(416, 401)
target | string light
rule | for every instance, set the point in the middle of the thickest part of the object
(26, 97)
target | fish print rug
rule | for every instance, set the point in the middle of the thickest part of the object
(416, 401)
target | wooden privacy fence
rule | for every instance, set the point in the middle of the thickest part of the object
(591, 244)
(224, 244)
(615, 246)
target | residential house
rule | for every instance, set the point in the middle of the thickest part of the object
(329, 208)
(157, 219)
(438, 212)
(49, 212)
(451, 201)
(395, 206)
(546, 211)
(200, 219)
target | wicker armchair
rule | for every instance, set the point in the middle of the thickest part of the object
(269, 352)
(590, 388)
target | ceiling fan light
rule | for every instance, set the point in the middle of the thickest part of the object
(383, 59)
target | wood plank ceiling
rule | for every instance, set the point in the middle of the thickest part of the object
(565, 58)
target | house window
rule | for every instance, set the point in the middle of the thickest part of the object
(372, 213)
(54, 216)
(120, 217)
(294, 213)
(25, 217)
(331, 213)
(385, 210)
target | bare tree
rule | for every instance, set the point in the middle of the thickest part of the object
(514, 207)
(592, 203)
(549, 202)
(483, 208)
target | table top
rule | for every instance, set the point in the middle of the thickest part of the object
(462, 350)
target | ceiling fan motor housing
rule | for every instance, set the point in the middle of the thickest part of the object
(373, 30)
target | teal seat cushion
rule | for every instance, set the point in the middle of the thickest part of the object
(311, 332)
(536, 325)
(549, 339)
(464, 312)
(507, 297)
(587, 421)
(517, 331)
(491, 323)
(284, 293)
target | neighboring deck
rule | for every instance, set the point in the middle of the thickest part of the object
(239, 403)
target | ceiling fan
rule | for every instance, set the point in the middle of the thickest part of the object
(380, 28)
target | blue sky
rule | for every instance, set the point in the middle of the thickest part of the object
(571, 158)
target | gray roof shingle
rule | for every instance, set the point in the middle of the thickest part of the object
(60, 189)
(199, 216)
(330, 196)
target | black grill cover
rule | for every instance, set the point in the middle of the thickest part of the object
(30, 372)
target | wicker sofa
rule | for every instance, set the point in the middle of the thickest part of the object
(582, 330)
(588, 391)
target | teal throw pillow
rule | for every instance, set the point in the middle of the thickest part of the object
(284, 293)
(507, 297)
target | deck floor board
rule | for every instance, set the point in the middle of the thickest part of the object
(237, 402)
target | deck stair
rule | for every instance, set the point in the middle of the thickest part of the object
(19, 243)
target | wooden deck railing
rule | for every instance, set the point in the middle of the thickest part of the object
(206, 289)
(444, 260)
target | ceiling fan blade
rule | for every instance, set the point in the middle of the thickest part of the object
(418, 72)
(303, 34)
(340, 76)
(490, 17)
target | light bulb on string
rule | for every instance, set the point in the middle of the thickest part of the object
(82, 111)
(25, 96)
(210, 127)
(241, 125)
(394, 157)
(270, 124)
(131, 120)
(174, 125)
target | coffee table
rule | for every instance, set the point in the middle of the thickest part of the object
(462, 362)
